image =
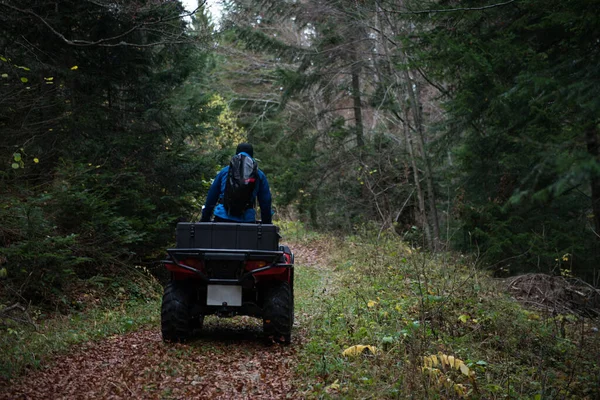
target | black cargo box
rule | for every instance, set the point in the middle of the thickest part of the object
(222, 235)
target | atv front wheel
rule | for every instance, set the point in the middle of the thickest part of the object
(177, 323)
(278, 313)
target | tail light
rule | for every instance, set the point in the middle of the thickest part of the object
(189, 262)
(252, 265)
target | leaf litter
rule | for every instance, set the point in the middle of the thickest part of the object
(226, 361)
(229, 359)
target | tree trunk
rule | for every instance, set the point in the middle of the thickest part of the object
(431, 197)
(415, 104)
(407, 86)
(593, 147)
(420, 196)
(358, 122)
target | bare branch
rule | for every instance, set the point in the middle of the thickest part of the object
(6, 314)
(451, 9)
(105, 41)
(237, 99)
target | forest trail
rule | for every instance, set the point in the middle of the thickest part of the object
(229, 359)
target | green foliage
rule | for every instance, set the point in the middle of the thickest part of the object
(100, 151)
(334, 188)
(410, 305)
(104, 307)
(518, 109)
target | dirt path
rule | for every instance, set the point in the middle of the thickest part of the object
(230, 360)
(226, 362)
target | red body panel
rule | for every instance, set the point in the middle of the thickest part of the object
(279, 274)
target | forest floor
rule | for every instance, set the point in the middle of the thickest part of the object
(435, 326)
(230, 359)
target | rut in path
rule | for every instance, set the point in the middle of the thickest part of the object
(230, 360)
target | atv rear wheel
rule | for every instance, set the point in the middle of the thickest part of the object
(177, 323)
(278, 313)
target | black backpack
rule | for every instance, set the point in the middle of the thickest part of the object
(242, 178)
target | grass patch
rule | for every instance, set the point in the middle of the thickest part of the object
(296, 231)
(107, 306)
(411, 305)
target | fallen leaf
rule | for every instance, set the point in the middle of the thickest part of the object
(359, 349)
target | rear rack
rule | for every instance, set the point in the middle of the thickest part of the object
(176, 255)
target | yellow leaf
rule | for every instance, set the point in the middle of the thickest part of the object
(3, 59)
(460, 389)
(74, 68)
(463, 318)
(444, 359)
(51, 78)
(431, 371)
(36, 160)
(434, 359)
(533, 316)
(451, 361)
(5, 75)
(24, 80)
(334, 386)
(359, 349)
(465, 370)
(427, 361)
(371, 303)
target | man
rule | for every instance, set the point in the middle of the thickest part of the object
(217, 192)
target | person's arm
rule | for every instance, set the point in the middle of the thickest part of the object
(213, 197)
(264, 199)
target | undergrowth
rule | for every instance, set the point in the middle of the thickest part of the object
(441, 327)
(98, 307)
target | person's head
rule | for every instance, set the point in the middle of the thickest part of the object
(245, 148)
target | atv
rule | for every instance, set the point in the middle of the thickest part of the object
(228, 269)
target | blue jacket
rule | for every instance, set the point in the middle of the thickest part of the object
(217, 189)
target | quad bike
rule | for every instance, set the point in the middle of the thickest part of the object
(228, 269)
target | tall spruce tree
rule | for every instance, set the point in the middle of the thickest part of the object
(521, 78)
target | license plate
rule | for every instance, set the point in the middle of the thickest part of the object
(216, 295)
